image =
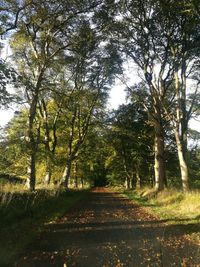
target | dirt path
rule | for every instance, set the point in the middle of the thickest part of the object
(107, 230)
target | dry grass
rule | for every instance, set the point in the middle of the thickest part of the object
(170, 203)
(12, 187)
(173, 206)
(177, 204)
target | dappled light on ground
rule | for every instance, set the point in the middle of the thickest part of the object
(108, 230)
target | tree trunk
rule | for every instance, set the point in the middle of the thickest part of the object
(48, 173)
(31, 171)
(138, 179)
(151, 175)
(82, 183)
(128, 182)
(75, 175)
(47, 178)
(47, 140)
(184, 114)
(182, 163)
(76, 182)
(181, 130)
(125, 165)
(159, 164)
(66, 174)
(31, 138)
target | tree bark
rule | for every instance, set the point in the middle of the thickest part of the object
(31, 171)
(31, 138)
(181, 130)
(67, 173)
(76, 182)
(138, 179)
(48, 174)
(44, 114)
(127, 182)
(128, 177)
(82, 183)
(31, 179)
(159, 164)
(75, 175)
(182, 163)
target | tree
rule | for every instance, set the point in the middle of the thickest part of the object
(93, 155)
(49, 114)
(93, 65)
(161, 40)
(13, 150)
(130, 135)
(11, 13)
(181, 28)
(43, 36)
(140, 34)
(7, 76)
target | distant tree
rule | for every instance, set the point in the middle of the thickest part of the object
(93, 156)
(131, 137)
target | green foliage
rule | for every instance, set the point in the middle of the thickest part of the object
(13, 147)
(7, 77)
(67, 57)
(130, 137)
(92, 158)
(194, 157)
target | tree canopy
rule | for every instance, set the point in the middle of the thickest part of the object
(66, 55)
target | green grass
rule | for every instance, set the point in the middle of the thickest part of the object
(24, 214)
(173, 206)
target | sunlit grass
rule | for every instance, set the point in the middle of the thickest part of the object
(175, 204)
(176, 207)
(12, 187)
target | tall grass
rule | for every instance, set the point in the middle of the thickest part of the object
(169, 203)
(179, 204)
(176, 207)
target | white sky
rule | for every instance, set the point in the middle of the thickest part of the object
(5, 116)
(117, 96)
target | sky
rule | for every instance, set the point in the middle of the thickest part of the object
(117, 96)
(5, 116)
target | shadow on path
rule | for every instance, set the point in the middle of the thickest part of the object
(108, 230)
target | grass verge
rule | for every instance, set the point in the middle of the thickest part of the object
(172, 206)
(23, 215)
